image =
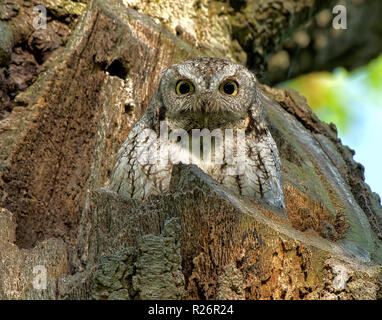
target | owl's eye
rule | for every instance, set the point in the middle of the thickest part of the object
(229, 87)
(183, 87)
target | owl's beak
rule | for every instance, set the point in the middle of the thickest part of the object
(206, 112)
(205, 104)
(203, 107)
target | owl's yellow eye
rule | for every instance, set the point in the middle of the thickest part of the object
(183, 87)
(229, 87)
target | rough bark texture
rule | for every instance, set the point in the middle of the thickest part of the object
(23, 49)
(247, 31)
(57, 148)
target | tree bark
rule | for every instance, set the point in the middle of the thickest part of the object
(199, 241)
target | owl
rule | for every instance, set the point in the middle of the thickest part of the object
(207, 112)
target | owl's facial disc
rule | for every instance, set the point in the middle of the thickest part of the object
(201, 94)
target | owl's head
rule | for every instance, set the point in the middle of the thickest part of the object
(207, 93)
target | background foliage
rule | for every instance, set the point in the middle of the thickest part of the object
(353, 102)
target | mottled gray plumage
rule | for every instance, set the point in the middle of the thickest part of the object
(205, 107)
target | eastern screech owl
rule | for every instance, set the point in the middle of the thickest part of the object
(194, 98)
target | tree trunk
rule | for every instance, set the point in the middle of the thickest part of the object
(199, 241)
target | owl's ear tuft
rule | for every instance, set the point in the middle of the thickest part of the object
(259, 74)
(162, 72)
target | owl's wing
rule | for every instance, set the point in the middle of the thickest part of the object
(263, 164)
(138, 171)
